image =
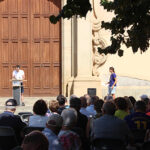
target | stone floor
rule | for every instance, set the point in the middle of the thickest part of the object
(29, 101)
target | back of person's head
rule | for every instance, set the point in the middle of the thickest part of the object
(75, 103)
(11, 104)
(109, 108)
(132, 99)
(55, 122)
(98, 105)
(69, 116)
(73, 96)
(88, 97)
(121, 103)
(83, 102)
(40, 107)
(108, 98)
(92, 100)
(143, 96)
(53, 105)
(140, 106)
(130, 106)
(146, 100)
(61, 99)
(35, 141)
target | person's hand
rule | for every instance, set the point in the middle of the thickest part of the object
(112, 87)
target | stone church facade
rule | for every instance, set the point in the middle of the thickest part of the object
(63, 58)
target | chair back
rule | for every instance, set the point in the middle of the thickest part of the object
(7, 138)
(108, 144)
(139, 135)
(22, 113)
(27, 130)
(25, 117)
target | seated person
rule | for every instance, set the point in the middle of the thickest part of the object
(7, 118)
(39, 118)
(83, 107)
(108, 126)
(68, 138)
(53, 126)
(122, 108)
(35, 141)
(98, 107)
(90, 107)
(138, 121)
(53, 107)
(61, 100)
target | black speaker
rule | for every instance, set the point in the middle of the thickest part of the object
(91, 91)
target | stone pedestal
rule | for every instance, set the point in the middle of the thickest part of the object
(83, 80)
(81, 85)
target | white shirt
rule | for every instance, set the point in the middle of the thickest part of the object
(18, 74)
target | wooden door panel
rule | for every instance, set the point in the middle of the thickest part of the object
(28, 38)
(46, 77)
(5, 28)
(37, 77)
(5, 76)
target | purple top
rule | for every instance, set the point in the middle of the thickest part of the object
(112, 79)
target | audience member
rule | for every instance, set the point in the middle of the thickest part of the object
(130, 106)
(148, 109)
(98, 107)
(39, 118)
(7, 118)
(87, 96)
(138, 119)
(108, 98)
(69, 139)
(82, 120)
(35, 141)
(132, 99)
(53, 126)
(61, 100)
(108, 126)
(143, 96)
(82, 125)
(122, 108)
(90, 107)
(53, 106)
(83, 107)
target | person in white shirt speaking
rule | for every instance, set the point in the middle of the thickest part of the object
(19, 75)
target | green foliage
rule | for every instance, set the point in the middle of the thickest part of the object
(130, 26)
(73, 8)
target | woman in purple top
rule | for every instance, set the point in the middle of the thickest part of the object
(112, 82)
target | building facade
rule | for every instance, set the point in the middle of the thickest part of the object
(63, 58)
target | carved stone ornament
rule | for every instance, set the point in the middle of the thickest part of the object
(97, 41)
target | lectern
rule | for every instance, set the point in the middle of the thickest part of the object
(16, 84)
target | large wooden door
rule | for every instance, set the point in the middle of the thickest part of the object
(27, 38)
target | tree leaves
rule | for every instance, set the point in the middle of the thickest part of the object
(72, 8)
(130, 26)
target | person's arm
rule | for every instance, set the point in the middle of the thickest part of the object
(114, 82)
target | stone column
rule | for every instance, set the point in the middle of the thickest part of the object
(84, 79)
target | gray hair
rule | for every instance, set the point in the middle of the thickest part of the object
(69, 117)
